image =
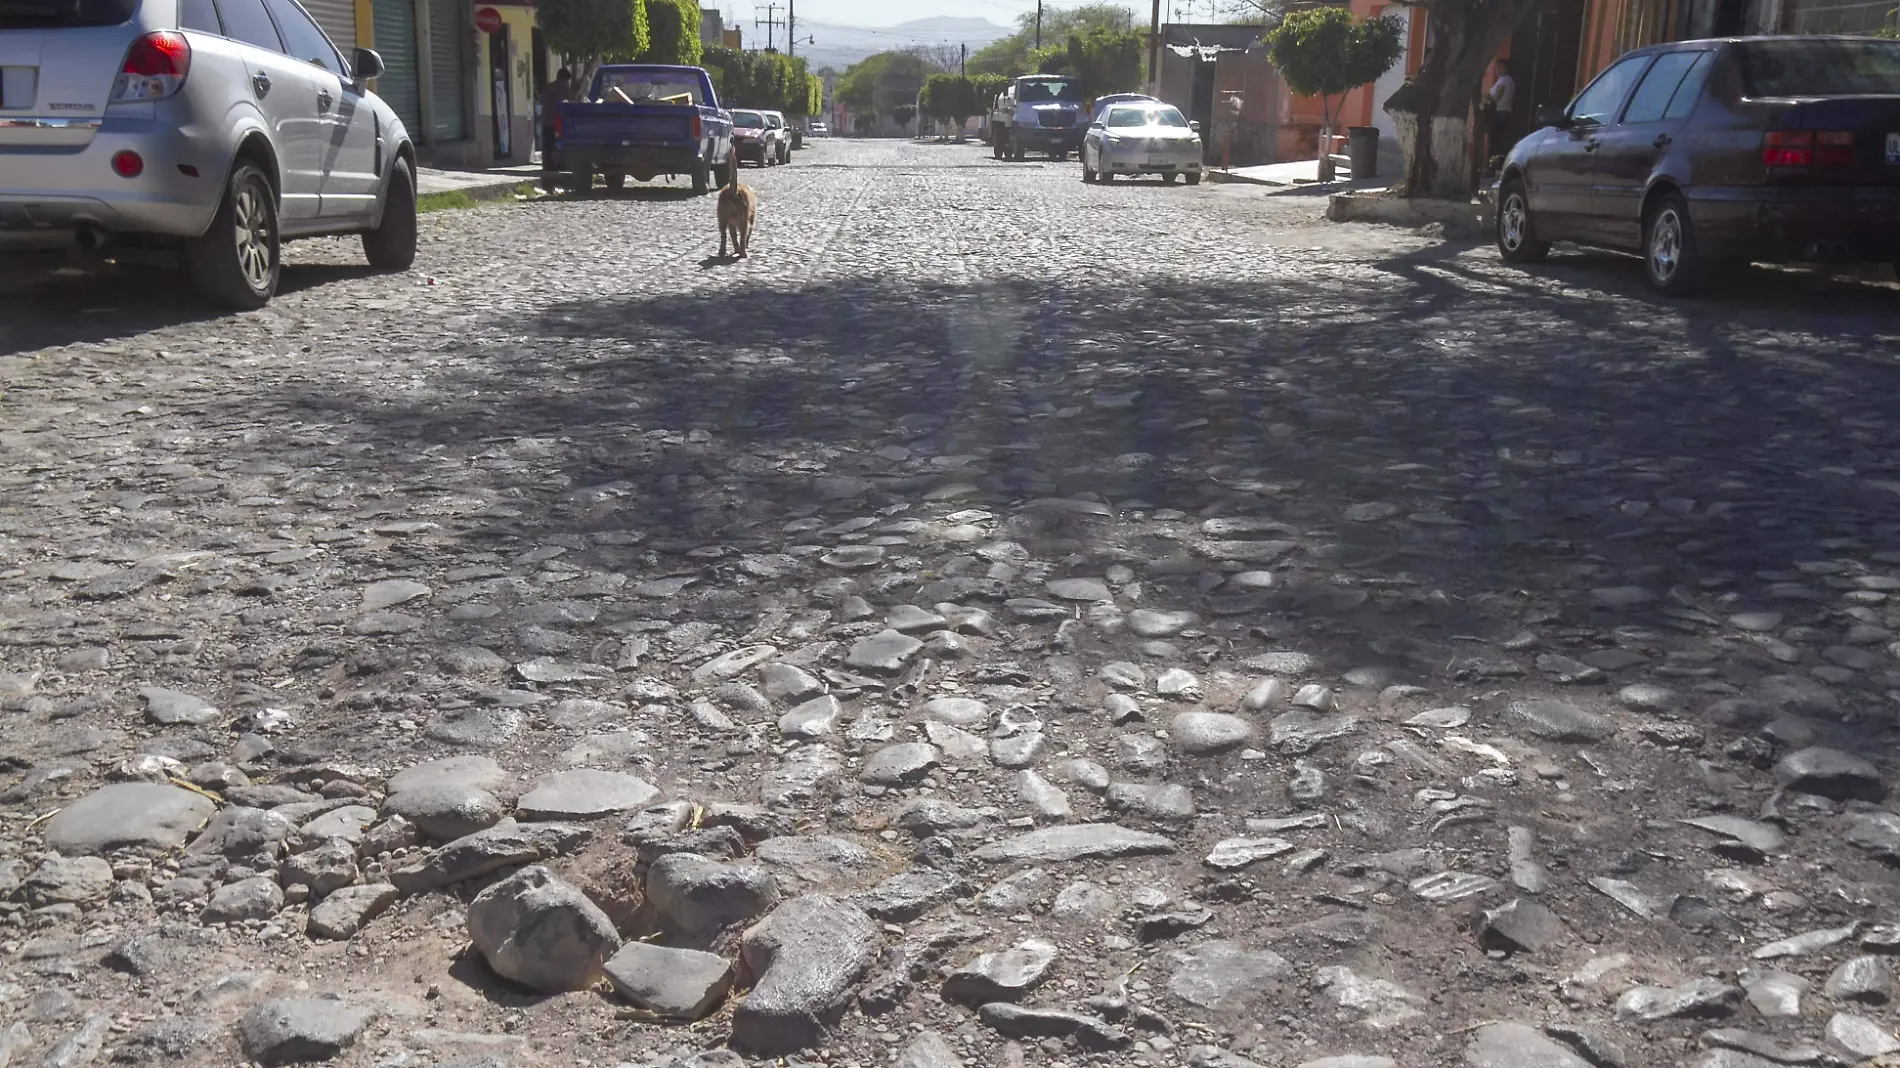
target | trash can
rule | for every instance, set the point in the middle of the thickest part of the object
(1362, 147)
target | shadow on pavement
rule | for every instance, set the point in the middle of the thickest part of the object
(1469, 443)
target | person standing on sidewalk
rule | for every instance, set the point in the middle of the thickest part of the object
(552, 94)
(1503, 101)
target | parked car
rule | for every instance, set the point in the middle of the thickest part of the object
(776, 120)
(819, 129)
(1142, 138)
(1702, 153)
(204, 133)
(643, 120)
(753, 138)
(1040, 113)
(1101, 104)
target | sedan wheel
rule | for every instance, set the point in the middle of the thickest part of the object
(1517, 233)
(1671, 257)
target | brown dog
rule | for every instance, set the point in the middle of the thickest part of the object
(738, 207)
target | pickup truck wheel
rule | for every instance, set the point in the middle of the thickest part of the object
(1194, 178)
(996, 146)
(723, 172)
(702, 177)
(237, 261)
(615, 182)
(392, 246)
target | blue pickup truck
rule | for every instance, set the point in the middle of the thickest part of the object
(643, 120)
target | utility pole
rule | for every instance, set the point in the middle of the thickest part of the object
(1038, 23)
(771, 24)
(1154, 50)
(791, 30)
(963, 59)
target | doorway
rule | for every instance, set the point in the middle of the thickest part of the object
(1544, 57)
(1731, 18)
(1201, 108)
(503, 91)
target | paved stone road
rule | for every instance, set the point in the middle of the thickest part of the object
(1005, 621)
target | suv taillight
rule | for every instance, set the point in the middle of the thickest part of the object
(1806, 148)
(698, 126)
(155, 67)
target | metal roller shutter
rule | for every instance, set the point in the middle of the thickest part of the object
(338, 19)
(395, 26)
(446, 18)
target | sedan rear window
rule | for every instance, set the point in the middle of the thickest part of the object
(1819, 67)
(64, 14)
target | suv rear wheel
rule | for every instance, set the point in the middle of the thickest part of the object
(392, 246)
(237, 261)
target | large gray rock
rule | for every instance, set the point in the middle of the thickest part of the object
(67, 880)
(807, 954)
(908, 895)
(1516, 1045)
(1157, 801)
(502, 846)
(174, 708)
(1003, 976)
(1831, 773)
(127, 815)
(885, 653)
(1208, 733)
(1559, 721)
(680, 983)
(1224, 976)
(342, 914)
(239, 832)
(699, 894)
(257, 898)
(538, 931)
(300, 1030)
(585, 794)
(474, 772)
(929, 1050)
(446, 811)
(325, 869)
(1080, 841)
(901, 764)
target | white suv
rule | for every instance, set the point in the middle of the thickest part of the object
(214, 129)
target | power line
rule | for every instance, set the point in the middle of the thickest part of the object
(770, 22)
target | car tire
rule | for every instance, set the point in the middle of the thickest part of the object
(723, 173)
(1168, 178)
(1088, 173)
(615, 182)
(392, 245)
(1672, 260)
(702, 177)
(1193, 178)
(1105, 176)
(237, 261)
(1516, 228)
(996, 147)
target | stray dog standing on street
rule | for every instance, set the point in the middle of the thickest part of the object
(738, 207)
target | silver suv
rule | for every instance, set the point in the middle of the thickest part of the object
(215, 129)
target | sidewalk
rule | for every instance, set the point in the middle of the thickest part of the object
(477, 185)
(1298, 176)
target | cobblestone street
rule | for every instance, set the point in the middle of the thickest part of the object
(1002, 622)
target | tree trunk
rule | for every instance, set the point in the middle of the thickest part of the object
(1432, 110)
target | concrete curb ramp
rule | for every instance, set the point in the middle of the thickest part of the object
(1469, 219)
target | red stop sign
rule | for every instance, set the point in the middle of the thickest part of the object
(488, 20)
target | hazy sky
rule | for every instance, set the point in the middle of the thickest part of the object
(884, 12)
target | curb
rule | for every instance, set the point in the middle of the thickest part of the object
(485, 191)
(1226, 177)
(1462, 220)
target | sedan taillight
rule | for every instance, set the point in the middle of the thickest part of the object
(155, 67)
(1807, 148)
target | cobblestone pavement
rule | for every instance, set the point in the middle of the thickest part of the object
(1003, 622)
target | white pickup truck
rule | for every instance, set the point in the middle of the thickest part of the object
(1038, 113)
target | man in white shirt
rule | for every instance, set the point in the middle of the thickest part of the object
(1503, 99)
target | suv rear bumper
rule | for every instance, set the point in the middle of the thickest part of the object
(49, 194)
(663, 159)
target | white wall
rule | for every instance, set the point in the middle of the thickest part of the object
(1383, 89)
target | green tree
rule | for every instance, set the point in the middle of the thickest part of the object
(585, 32)
(948, 98)
(1324, 52)
(672, 32)
(1011, 56)
(879, 84)
(986, 87)
(814, 95)
(902, 115)
(1102, 60)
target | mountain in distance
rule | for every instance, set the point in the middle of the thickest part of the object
(839, 46)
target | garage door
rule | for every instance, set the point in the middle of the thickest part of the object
(446, 77)
(338, 19)
(396, 43)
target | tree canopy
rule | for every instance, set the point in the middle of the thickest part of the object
(1103, 60)
(1012, 56)
(672, 32)
(949, 98)
(881, 82)
(1325, 52)
(585, 32)
(769, 81)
